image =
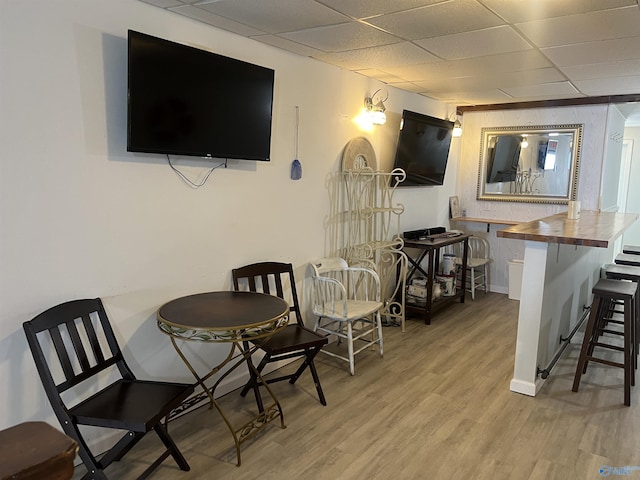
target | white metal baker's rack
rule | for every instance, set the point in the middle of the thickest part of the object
(369, 232)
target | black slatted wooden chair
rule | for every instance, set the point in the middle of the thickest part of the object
(295, 340)
(72, 344)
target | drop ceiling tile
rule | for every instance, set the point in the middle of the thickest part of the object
(522, 11)
(379, 75)
(527, 77)
(410, 87)
(439, 19)
(288, 45)
(535, 98)
(403, 53)
(415, 73)
(492, 64)
(603, 70)
(475, 97)
(595, 52)
(495, 80)
(163, 3)
(588, 27)
(343, 37)
(276, 16)
(610, 86)
(477, 43)
(332, 59)
(450, 84)
(541, 90)
(505, 62)
(374, 8)
(215, 20)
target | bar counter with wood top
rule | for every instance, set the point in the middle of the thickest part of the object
(562, 262)
(592, 229)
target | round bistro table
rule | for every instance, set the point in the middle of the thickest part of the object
(233, 318)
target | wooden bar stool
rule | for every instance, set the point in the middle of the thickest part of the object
(631, 249)
(628, 259)
(605, 292)
(632, 274)
(622, 272)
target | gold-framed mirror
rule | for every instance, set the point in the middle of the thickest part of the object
(535, 164)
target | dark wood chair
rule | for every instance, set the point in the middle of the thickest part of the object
(295, 340)
(85, 347)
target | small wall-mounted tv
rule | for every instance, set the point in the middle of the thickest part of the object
(423, 148)
(187, 101)
(503, 159)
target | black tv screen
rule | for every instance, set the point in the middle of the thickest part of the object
(187, 101)
(423, 148)
(503, 159)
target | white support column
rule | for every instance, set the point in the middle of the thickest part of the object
(556, 286)
(525, 379)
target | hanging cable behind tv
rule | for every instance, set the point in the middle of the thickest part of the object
(191, 183)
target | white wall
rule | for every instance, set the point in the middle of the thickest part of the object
(594, 119)
(612, 160)
(81, 217)
(632, 234)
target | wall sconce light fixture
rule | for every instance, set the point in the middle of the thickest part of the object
(457, 127)
(374, 105)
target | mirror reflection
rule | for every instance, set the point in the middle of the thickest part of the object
(529, 164)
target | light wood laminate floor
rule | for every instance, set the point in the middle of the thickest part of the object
(437, 406)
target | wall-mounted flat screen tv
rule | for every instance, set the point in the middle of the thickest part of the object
(423, 148)
(503, 159)
(187, 101)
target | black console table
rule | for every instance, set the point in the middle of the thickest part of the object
(430, 248)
